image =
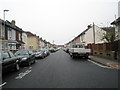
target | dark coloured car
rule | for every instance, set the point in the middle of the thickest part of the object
(27, 57)
(9, 61)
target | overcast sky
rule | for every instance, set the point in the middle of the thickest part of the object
(59, 20)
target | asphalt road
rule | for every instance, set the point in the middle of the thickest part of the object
(59, 70)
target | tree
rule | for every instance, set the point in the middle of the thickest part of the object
(109, 37)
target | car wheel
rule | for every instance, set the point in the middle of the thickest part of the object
(29, 63)
(86, 57)
(72, 56)
(17, 67)
(42, 57)
(34, 61)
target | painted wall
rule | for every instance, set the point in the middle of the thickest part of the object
(32, 43)
(89, 38)
(24, 39)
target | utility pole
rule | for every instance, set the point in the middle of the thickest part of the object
(93, 32)
(3, 30)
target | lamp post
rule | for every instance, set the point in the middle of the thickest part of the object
(4, 22)
(3, 30)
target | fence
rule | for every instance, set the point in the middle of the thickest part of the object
(109, 49)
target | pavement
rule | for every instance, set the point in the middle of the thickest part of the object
(110, 63)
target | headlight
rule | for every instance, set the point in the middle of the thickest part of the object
(24, 58)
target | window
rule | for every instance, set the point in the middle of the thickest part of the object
(11, 54)
(6, 55)
(30, 47)
(19, 37)
(77, 46)
(21, 52)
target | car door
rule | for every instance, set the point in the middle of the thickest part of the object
(31, 55)
(13, 58)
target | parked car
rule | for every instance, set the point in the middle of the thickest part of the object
(9, 61)
(39, 54)
(79, 50)
(46, 51)
(27, 57)
(52, 50)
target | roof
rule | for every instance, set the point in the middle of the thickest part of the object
(116, 21)
(9, 24)
(109, 29)
(30, 34)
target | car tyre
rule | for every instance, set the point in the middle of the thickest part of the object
(86, 57)
(72, 56)
(34, 61)
(29, 63)
(43, 57)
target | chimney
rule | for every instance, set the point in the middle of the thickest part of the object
(13, 22)
(89, 26)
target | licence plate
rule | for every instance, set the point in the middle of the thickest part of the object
(81, 54)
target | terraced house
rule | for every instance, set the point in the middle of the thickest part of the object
(11, 36)
(32, 41)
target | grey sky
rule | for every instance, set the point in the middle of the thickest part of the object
(59, 20)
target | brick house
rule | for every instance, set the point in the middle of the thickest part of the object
(14, 36)
(11, 36)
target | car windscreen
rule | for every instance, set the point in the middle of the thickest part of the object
(22, 52)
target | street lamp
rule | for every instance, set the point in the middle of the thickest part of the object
(4, 21)
(3, 30)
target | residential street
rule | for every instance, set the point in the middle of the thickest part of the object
(59, 70)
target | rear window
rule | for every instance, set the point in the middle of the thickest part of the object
(77, 46)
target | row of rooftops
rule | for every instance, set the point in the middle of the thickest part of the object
(116, 21)
(104, 28)
(13, 26)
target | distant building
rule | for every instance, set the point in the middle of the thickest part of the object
(116, 23)
(41, 43)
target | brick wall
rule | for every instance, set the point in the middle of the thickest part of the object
(111, 50)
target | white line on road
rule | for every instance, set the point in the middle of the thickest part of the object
(30, 67)
(3, 84)
(21, 75)
(100, 64)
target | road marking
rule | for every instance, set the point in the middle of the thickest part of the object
(3, 84)
(100, 64)
(30, 67)
(21, 75)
